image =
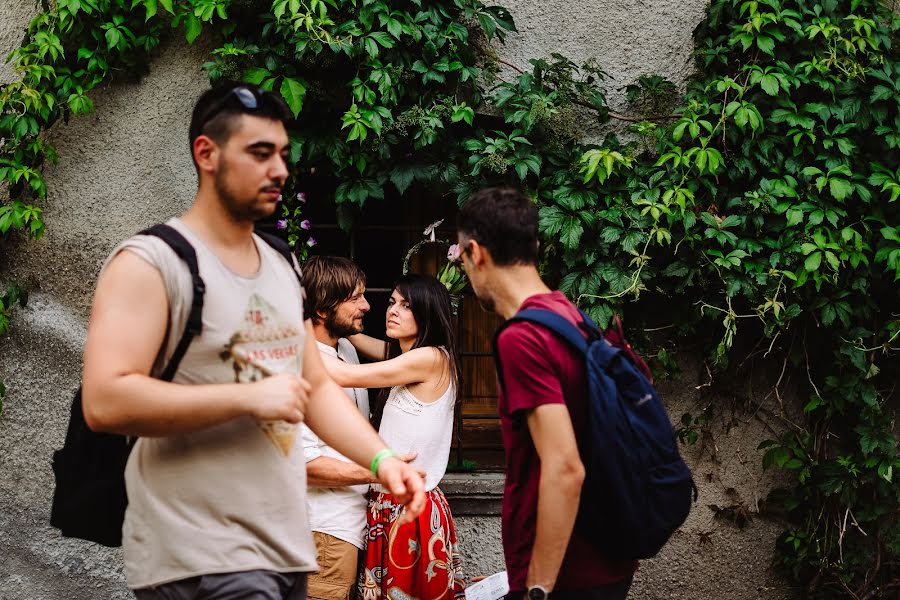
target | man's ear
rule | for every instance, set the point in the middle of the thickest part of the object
(206, 153)
(478, 254)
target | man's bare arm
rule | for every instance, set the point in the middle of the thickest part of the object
(127, 328)
(371, 348)
(559, 490)
(325, 471)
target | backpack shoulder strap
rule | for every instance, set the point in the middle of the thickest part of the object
(282, 248)
(548, 319)
(194, 325)
(589, 322)
(556, 323)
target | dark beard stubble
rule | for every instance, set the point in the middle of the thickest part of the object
(239, 211)
(341, 329)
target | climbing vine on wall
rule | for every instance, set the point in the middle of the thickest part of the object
(757, 214)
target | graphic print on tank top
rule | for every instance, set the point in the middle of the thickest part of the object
(266, 345)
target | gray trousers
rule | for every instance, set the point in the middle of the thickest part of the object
(245, 585)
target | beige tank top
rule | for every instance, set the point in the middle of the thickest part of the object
(232, 497)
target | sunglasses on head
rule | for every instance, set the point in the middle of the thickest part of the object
(249, 97)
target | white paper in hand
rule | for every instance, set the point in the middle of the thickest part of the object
(491, 588)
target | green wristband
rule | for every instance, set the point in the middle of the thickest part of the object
(382, 454)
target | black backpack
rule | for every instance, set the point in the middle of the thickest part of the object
(89, 500)
(637, 489)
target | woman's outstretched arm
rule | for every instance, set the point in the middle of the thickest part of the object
(371, 348)
(415, 366)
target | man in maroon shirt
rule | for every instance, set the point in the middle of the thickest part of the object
(543, 410)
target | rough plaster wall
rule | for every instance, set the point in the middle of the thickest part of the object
(628, 39)
(709, 557)
(122, 168)
(127, 166)
(479, 544)
(14, 17)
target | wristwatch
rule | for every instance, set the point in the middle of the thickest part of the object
(536, 592)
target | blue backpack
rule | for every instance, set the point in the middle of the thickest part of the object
(637, 489)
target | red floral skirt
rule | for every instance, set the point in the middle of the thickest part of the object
(416, 561)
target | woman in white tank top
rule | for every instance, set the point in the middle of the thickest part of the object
(419, 363)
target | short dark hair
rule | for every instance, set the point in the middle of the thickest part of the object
(328, 281)
(503, 220)
(217, 111)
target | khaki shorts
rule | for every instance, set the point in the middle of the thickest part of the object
(337, 569)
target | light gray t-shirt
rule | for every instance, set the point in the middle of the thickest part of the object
(231, 497)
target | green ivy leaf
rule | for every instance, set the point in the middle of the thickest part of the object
(846, 146)
(112, 37)
(867, 443)
(551, 220)
(192, 28)
(769, 84)
(777, 456)
(813, 261)
(256, 75)
(402, 177)
(571, 233)
(395, 28)
(814, 403)
(383, 39)
(891, 233)
(487, 25)
(631, 240)
(794, 217)
(839, 188)
(294, 92)
(463, 113)
(766, 44)
(151, 8)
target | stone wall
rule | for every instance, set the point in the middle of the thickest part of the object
(127, 166)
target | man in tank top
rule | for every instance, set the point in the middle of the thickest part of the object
(216, 486)
(336, 304)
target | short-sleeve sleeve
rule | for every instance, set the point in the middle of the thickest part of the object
(312, 446)
(530, 374)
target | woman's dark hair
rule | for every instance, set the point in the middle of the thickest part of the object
(429, 302)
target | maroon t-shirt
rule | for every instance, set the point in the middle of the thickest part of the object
(540, 368)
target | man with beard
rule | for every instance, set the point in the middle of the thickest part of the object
(336, 303)
(216, 490)
(543, 409)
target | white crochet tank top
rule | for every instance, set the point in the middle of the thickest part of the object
(426, 428)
